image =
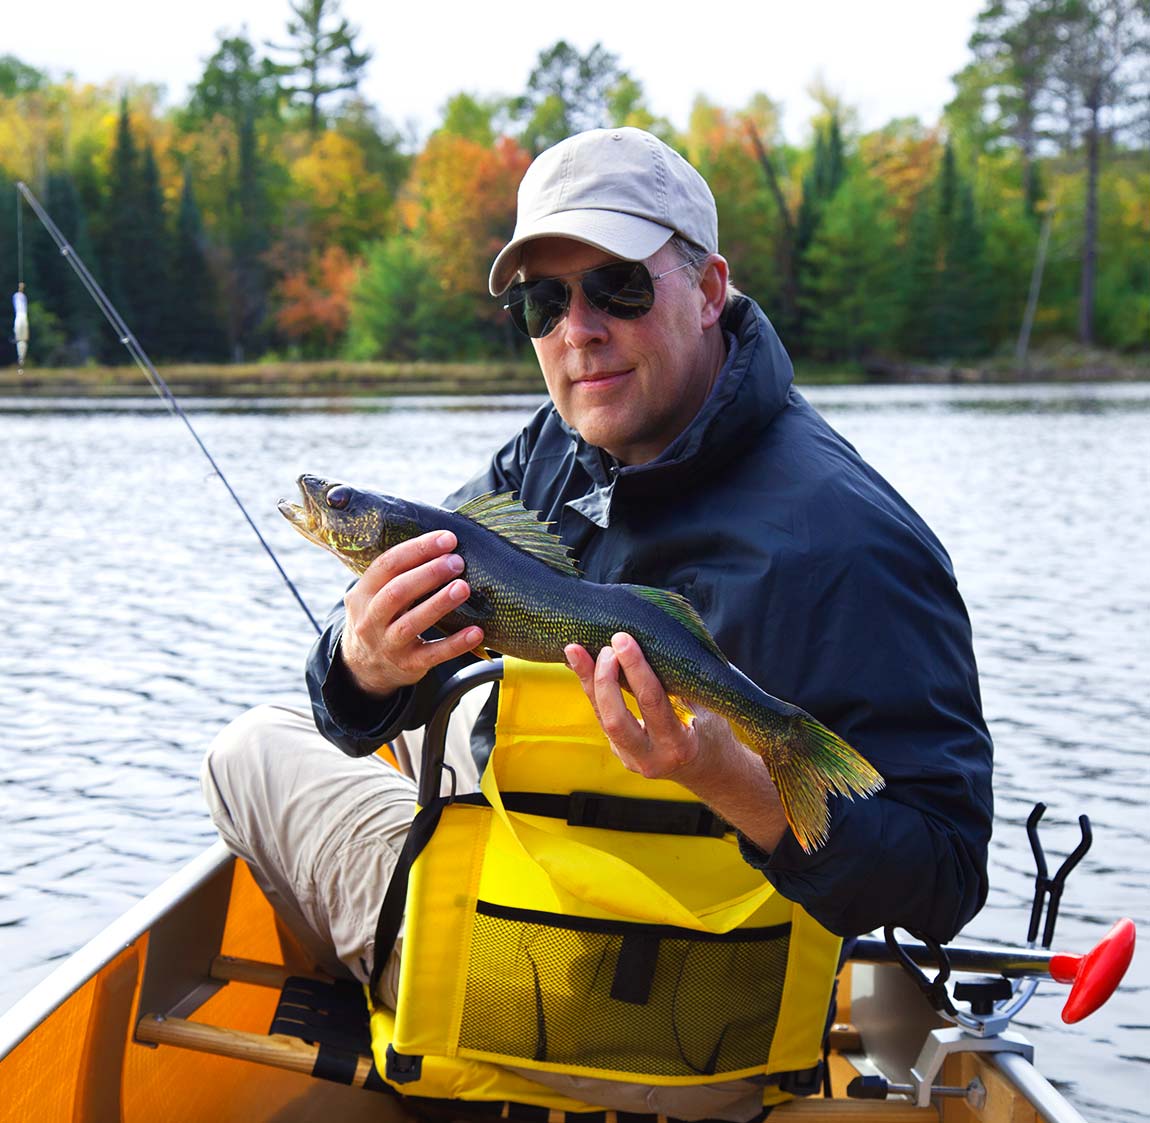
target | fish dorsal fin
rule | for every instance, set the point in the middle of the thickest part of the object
(503, 514)
(679, 608)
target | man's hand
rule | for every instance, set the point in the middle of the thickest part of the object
(703, 755)
(387, 611)
(657, 746)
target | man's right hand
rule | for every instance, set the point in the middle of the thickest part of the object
(405, 591)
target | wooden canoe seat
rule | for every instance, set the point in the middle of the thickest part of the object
(320, 1028)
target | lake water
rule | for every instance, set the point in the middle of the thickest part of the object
(139, 614)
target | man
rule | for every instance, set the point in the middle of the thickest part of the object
(674, 452)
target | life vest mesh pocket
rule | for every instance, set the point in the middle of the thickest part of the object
(621, 997)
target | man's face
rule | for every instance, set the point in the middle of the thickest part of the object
(629, 386)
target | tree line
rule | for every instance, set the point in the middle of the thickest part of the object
(276, 214)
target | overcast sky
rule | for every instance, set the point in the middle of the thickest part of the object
(887, 58)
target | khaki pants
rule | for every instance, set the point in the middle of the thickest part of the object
(322, 831)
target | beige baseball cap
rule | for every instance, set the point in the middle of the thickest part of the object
(621, 190)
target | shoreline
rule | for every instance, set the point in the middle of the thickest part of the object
(348, 379)
(289, 379)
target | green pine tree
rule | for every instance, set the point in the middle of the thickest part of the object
(55, 284)
(197, 332)
(849, 298)
(133, 245)
(118, 241)
(945, 291)
(918, 291)
(399, 311)
(824, 177)
(244, 90)
(323, 59)
(152, 293)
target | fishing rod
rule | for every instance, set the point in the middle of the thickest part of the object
(128, 339)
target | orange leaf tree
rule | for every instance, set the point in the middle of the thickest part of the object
(314, 302)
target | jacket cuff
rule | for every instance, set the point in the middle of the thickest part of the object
(361, 716)
(755, 857)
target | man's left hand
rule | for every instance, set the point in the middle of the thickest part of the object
(703, 755)
(657, 744)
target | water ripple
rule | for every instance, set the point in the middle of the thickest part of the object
(140, 616)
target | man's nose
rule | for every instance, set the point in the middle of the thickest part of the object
(584, 323)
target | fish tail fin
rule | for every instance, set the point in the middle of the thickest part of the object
(807, 762)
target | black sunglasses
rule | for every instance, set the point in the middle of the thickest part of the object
(623, 289)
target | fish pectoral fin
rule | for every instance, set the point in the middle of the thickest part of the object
(682, 708)
(483, 653)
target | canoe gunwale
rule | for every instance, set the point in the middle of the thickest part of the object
(54, 990)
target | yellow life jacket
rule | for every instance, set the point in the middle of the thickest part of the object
(578, 918)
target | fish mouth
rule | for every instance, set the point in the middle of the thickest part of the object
(305, 518)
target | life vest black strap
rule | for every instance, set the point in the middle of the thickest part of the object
(395, 899)
(615, 812)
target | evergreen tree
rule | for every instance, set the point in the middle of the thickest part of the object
(198, 332)
(118, 239)
(18, 77)
(826, 174)
(55, 284)
(849, 297)
(399, 311)
(918, 293)
(945, 309)
(244, 91)
(133, 245)
(568, 92)
(151, 290)
(323, 56)
(821, 182)
(964, 281)
(1101, 71)
(1015, 43)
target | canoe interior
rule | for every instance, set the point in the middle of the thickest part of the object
(82, 1063)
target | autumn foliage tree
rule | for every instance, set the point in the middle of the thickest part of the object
(324, 230)
(315, 302)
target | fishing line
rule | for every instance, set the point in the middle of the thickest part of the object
(19, 242)
(145, 364)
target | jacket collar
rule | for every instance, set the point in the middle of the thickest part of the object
(750, 391)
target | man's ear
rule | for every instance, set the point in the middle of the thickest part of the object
(713, 286)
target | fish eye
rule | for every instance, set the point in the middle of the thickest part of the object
(339, 497)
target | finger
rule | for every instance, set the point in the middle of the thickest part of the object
(410, 624)
(404, 557)
(407, 589)
(659, 715)
(580, 661)
(622, 728)
(438, 651)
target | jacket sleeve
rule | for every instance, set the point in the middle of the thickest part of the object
(358, 722)
(885, 660)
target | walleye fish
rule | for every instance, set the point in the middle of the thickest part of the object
(529, 598)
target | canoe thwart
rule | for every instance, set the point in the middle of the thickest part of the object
(320, 1027)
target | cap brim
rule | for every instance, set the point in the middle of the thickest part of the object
(621, 235)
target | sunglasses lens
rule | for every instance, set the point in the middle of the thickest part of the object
(537, 306)
(623, 290)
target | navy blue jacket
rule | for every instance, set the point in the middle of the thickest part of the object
(818, 581)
